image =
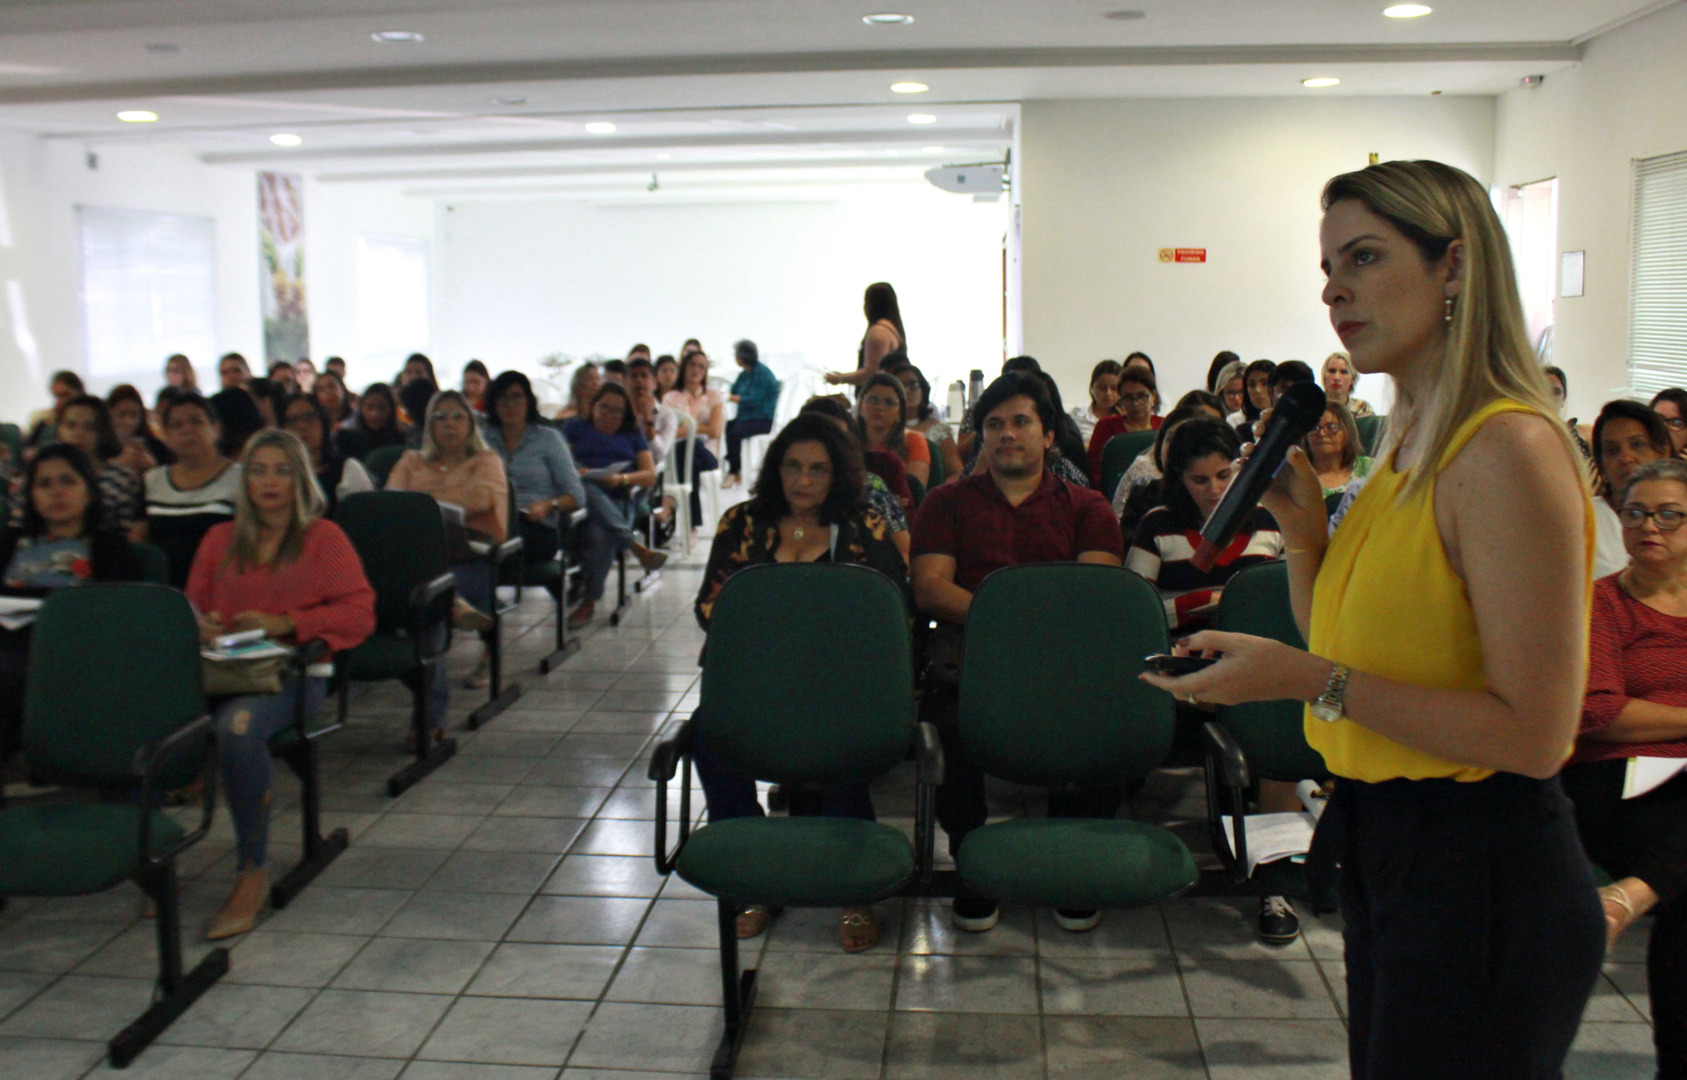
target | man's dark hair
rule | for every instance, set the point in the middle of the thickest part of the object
(745, 352)
(641, 362)
(1191, 442)
(1012, 385)
(615, 367)
(93, 518)
(1291, 371)
(849, 481)
(108, 445)
(328, 365)
(501, 386)
(280, 365)
(1657, 432)
(640, 347)
(629, 422)
(1020, 363)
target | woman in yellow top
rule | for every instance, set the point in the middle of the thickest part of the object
(1447, 620)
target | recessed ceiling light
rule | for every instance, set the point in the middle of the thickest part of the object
(1407, 11)
(162, 48)
(887, 18)
(600, 127)
(1320, 83)
(286, 138)
(931, 150)
(1124, 16)
(509, 101)
(663, 157)
(909, 88)
(137, 116)
(921, 118)
(396, 37)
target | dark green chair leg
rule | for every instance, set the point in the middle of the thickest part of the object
(176, 992)
(429, 755)
(738, 993)
(319, 850)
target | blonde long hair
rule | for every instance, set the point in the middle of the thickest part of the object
(430, 449)
(307, 501)
(1487, 354)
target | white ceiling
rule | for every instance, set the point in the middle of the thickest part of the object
(695, 84)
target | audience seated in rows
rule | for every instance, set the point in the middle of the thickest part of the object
(878, 494)
(279, 567)
(1142, 488)
(85, 423)
(1636, 706)
(1340, 379)
(42, 427)
(1138, 393)
(377, 424)
(923, 419)
(582, 391)
(540, 466)
(142, 448)
(1671, 406)
(1256, 384)
(1335, 450)
(615, 458)
(336, 476)
(757, 393)
(330, 392)
(1626, 436)
(692, 395)
(1231, 387)
(186, 498)
(233, 372)
(475, 381)
(808, 505)
(1012, 510)
(881, 418)
(1103, 398)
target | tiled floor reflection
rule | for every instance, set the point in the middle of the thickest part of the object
(503, 921)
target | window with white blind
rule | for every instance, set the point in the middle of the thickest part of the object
(1658, 291)
(149, 289)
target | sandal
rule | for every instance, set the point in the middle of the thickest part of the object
(1615, 924)
(753, 920)
(858, 929)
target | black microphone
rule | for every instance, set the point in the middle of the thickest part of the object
(1296, 413)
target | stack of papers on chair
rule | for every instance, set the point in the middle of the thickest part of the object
(17, 612)
(1274, 837)
(1647, 774)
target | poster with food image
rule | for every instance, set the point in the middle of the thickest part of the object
(281, 253)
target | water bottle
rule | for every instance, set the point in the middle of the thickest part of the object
(957, 400)
(975, 388)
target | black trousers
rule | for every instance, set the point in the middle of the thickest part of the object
(1645, 838)
(736, 432)
(1473, 930)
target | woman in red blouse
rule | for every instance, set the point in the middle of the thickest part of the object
(1636, 706)
(281, 568)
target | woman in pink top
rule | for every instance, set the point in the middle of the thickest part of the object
(456, 466)
(697, 399)
(281, 568)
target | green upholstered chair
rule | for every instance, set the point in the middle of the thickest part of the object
(1050, 697)
(132, 726)
(400, 538)
(556, 575)
(807, 679)
(937, 475)
(502, 559)
(155, 565)
(379, 462)
(1370, 433)
(1117, 455)
(1261, 739)
(918, 490)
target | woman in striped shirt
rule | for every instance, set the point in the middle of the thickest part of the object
(185, 499)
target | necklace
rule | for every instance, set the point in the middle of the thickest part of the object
(796, 534)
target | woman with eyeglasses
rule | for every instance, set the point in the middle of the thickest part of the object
(1636, 707)
(1336, 453)
(304, 416)
(1138, 395)
(882, 413)
(1626, 436)
(1671, 404)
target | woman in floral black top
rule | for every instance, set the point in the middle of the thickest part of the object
(808, 506)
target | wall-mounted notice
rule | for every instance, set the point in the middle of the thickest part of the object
(281, 244)
(1183, 255)
(1571, 266)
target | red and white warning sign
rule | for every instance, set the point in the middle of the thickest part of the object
(1183, 255)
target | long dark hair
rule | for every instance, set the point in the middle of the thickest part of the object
(629, 422)
(1250, 411)
(107, 445)
(898, 440)
(880, 303)
(380, 390)
(1192, 441)
(501, 386)
(1657, 432)
(93, 518)
(849, 480)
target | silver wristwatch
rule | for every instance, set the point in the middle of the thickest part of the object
(1328, 705)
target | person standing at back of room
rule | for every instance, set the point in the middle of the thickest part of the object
(757, 393)
(885, 343)
(1447, 623)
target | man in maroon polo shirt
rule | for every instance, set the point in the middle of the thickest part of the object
(1012, 510)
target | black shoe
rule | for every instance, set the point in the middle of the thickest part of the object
(1077, 920)
(1278, 923)
(975, 914)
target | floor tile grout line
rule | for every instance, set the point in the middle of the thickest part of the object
(1183, 988)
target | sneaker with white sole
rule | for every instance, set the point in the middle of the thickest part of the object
(1077, 920)
(1278, 923)
(975, 915)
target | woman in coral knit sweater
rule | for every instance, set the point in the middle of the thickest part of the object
(281, 568)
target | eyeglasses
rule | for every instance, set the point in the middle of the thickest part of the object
(1675, 422)
(1633, 517)
(1328, 430)
(879, 401)
(1137, 399)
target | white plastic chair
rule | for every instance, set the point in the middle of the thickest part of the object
(674, 482)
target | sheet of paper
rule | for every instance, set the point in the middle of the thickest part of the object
(1273, 837)
(1650, 773)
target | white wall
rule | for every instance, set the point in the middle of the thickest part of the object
(1106, 184)
(527, 277)
(1585, 125)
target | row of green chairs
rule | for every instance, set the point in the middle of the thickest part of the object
(1048, 696)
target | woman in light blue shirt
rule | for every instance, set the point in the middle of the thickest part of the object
(541, 468)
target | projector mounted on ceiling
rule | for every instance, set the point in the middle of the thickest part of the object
(985, 181)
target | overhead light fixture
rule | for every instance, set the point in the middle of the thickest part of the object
(286, 138)
(908, 88)
(509, 101)
(137, 116)
(1407, 11)
(396, 37)
(921, 118)
(601, 127)
(1320, 83)
(887, 18)
(931, 150)
(663, 157)
(1124, 16)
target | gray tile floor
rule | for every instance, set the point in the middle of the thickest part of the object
(503, 920)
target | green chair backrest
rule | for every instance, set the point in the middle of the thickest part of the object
(1370, 432)
(111, 668)
(1270, 733)
(917, 489)
(400, 537)
(1117, 455)
(11, 437)
(808, 674)
(380, 461)
(937, 475)
(1049, 687)
(155, 565)
(1332, 501)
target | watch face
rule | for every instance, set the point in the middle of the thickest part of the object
(1327, 713)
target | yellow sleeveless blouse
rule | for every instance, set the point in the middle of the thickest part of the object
(1388, 602)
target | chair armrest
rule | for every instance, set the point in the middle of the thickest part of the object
(1226, 766)
(1221, 746)
(150, 761)
(430, 603)
(501, 553)
(928, 754)
(308, 653)
(928, 767)
(672, 755)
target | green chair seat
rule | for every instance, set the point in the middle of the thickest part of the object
(96, 843)
(797, 862)
(1062, 862)
(382, 656)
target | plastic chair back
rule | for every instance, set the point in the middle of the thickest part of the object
(1272, 734)
(380, 461)
(400, 537)
(808, 674)
(111, 668)
(1370, 433)
(1049, 688)
(1117, 455)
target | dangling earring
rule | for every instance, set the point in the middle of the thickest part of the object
(1448, 317)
